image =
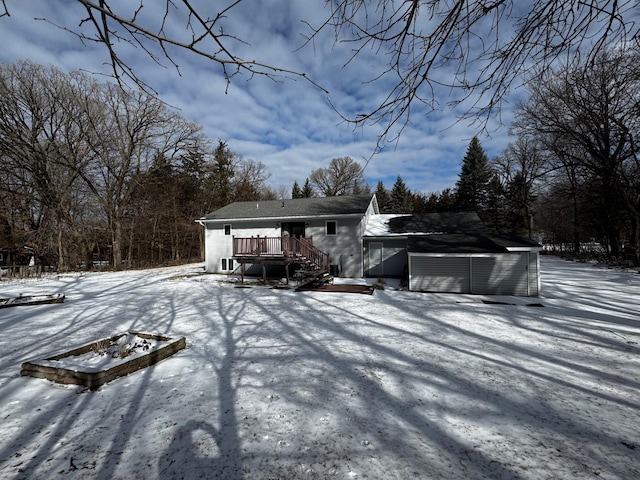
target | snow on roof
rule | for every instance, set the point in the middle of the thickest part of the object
(378, 225)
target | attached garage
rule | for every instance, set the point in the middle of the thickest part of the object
(474, 264)
(451, 252)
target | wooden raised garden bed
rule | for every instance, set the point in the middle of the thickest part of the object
(99, 362)
(31, 300)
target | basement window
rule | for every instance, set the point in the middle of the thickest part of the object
(231, 264)
(332, 227)
(224, 264)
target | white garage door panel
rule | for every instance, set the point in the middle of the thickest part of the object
(501, 275)
(440, 274)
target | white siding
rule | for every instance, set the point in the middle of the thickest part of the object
(534, 274)
(344, 248)
(219, 246)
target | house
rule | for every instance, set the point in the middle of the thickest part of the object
(282, 232)
(348, 237)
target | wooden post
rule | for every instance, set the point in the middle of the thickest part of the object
(286, 269)
(242, 273)
(264, 273)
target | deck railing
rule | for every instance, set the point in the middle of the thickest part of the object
(281, 247)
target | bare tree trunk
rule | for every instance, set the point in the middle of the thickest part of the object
(116, 240)
(61, 263)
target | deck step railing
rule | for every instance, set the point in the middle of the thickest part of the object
(296, 249)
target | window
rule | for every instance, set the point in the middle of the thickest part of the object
(224, 264)
(231, 264)
(332, 227)
(227, 229)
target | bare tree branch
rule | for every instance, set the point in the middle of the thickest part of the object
(110, 27)
(487, 47)
(463, 54)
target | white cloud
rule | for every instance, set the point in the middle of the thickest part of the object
(290, 125)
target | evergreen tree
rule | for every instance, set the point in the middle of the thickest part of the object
(520, 202)
(382, 196)
(446, 201)
(472, 186)
(361, 187)
(420, 203)
(400, 197)
(307, 189)
(222, 173)
(495, 216)
(296, 191)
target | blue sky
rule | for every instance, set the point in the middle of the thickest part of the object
(289, 126)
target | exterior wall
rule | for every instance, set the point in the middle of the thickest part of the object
(219, 246)
(534, 274)
(344, 248)
(489, 274)
(391, 261)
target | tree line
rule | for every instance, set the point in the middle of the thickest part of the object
(94, 172)
(570, 178)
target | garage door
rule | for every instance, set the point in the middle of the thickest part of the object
(501, 274)
(440, 274)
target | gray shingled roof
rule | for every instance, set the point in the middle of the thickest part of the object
(466, 243)
(453, 232)
(445, 222)
(452, 243)
(298, 207)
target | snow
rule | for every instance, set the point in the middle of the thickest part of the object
(282, 384)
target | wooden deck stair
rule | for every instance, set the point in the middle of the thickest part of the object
(286, 250)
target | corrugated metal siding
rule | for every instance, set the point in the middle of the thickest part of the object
(505, 274)
(440, 274)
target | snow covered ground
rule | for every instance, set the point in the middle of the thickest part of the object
(282, 384)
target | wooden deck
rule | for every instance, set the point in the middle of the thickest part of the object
(280, 251)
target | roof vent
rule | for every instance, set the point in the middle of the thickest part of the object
(283, 204)
(257, 205)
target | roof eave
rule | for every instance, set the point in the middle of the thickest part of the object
(280, 218)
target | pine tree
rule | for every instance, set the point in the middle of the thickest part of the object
(296, 192)
(473, 183)
(307, 190)
(520, 202)
(361, 187)
(495, 215)
(400, 197)
(382, 196)
(221, 174)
